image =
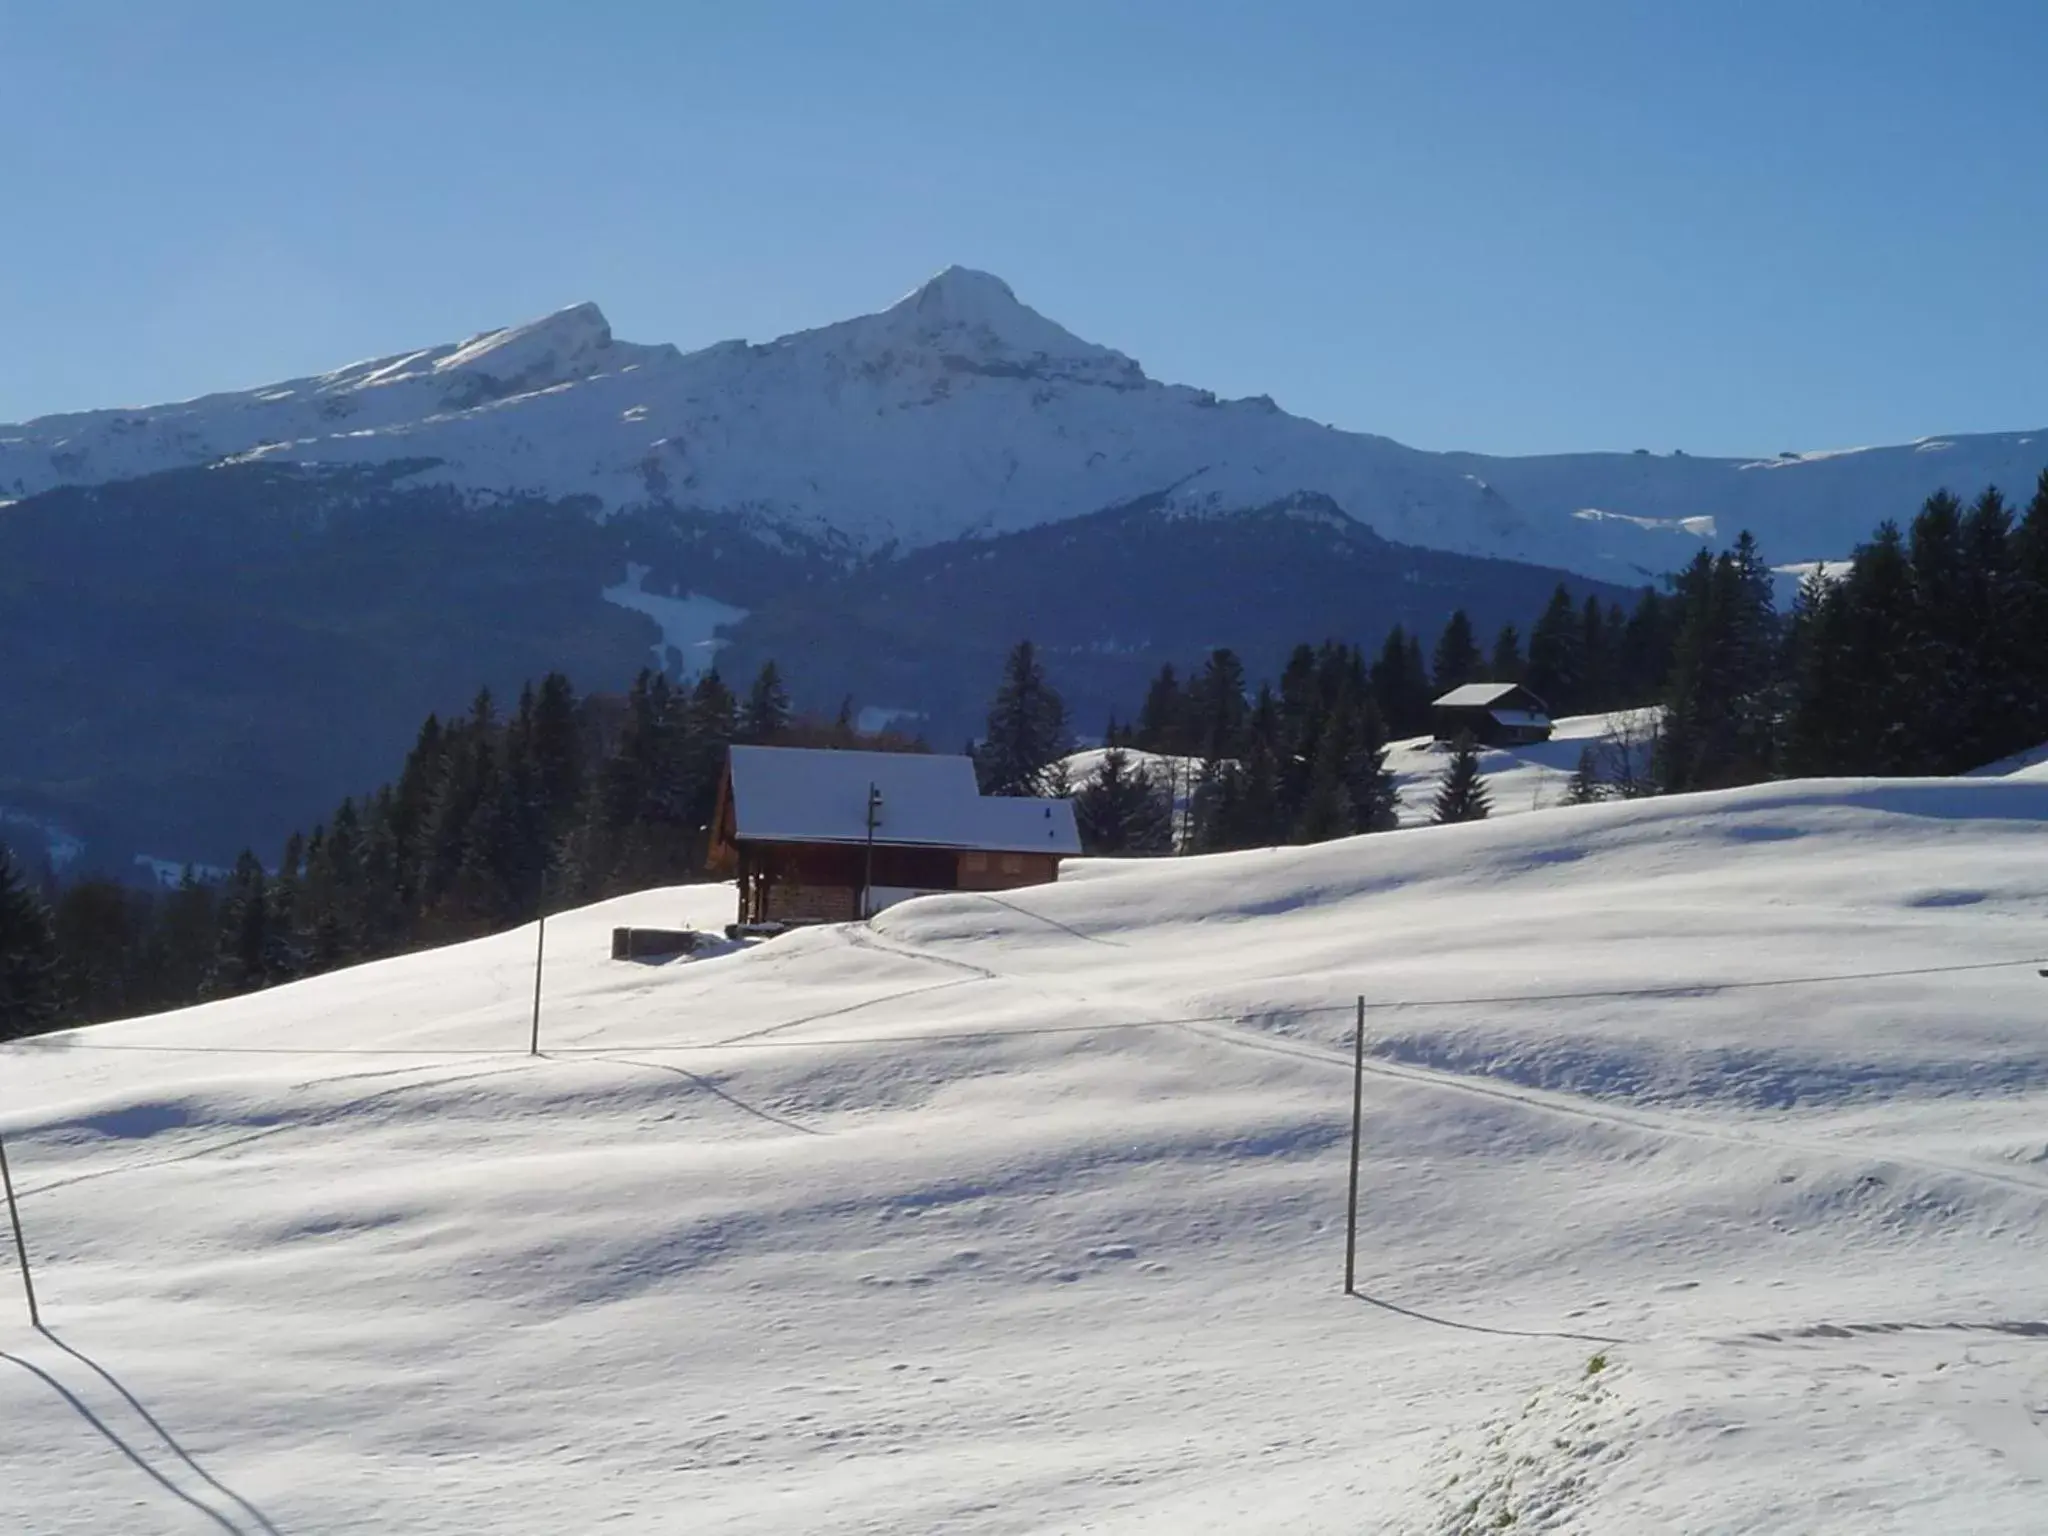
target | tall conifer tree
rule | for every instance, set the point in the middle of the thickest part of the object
(1456, 661)
(28, 955)
(1123, 809)
(1026, 732)
(1461, 793)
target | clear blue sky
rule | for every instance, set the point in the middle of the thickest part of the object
(1519, 227)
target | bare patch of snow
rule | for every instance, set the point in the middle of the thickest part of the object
(689, 624)
(170, 873)
(61, 846)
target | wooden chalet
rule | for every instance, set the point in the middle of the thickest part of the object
(831, 836)
(1494, 714)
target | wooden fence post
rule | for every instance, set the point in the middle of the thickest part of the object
(28, 1286)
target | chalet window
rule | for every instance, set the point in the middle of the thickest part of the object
(1013, 863)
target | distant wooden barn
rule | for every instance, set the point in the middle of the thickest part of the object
(828, 836)
(1497, 714)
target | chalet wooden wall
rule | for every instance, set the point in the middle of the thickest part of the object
(822, 882)
(1006, 871)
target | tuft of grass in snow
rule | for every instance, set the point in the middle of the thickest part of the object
(1536, 1467)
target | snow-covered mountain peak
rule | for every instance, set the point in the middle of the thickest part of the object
(962, 292)
(574, 334)
(965, 320)
(565, 347)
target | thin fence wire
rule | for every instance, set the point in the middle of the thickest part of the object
(1673, 989)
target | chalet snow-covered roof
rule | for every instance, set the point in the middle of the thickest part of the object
(1492, 696)
(807, 795)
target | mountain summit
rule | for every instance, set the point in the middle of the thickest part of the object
(973, 320)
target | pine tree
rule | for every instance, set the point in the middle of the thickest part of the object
(1722, 708)
(1759, 634)
(1997, 717)
(28, 955)
(1162, 721)
(1597, 647)
(1853, 701)
(335, 891)
(385, 918)
(1507, 664)
(1217, 713)
(1456, 661)
(1124, 809)
(1644, 663)
(98, 928)
(450, 886)
(287, 900)
(766, 713)
(1216, 807)
(1401, 684)
(1375, 801)
(1259, 818)
(1263, 810)
(1461, 792)
(249, 943)
(1326, 810)
(1026, 730)
(652, 804)
(1556, 671)
(1585, 787)
(557, 754)
(713, 723)
(179, 952)
(1812, 661)
(2029, 549)
(412, 799)
(1349, 789)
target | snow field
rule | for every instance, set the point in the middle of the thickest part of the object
(1024, 1213)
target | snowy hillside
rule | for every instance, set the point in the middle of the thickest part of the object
(1533, 776)
(2030, 764)
(1703, 1190)
(959, 411)
(1530, 777)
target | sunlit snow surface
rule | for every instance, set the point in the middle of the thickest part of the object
(946, 1224)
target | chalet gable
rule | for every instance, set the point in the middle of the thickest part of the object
(924, 800)
(1499, 714)
(1492, 696)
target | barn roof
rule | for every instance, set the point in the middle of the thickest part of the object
(807, 795)
(1491, 695)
